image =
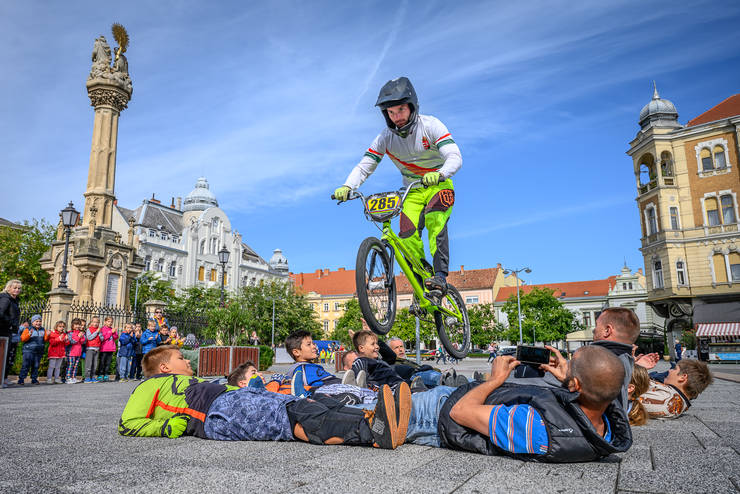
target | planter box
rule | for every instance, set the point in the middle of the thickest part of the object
(221, 360)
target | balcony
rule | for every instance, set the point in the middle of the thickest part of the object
(720, 229)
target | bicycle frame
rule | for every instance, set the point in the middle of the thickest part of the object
(409, 263)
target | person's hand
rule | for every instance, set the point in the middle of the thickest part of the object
(341, 194)
(558, 366)
(502, 367)
(430, 178)
(176, 426)
(648, 361)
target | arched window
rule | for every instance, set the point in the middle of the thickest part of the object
(214, 246)
(719, 158)
(657, 274)
(666, 164)
(706, 160)
(735, 266)
(173, 269)
(728, 209)
(202, 249)
(675, 225)
(680, 273)
(651, 221)
(201, 273)
(213, 275)
(160, 265)
(720, 269)
(710, 205)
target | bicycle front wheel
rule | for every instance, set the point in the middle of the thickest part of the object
(454, 334)
(376, 286)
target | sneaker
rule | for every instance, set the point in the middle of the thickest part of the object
(449, 378)
(36, 383)
(88, 380)
(52, 381)
(361, 379)
(461, 381)
(20, 382)
(383, 422)
(402, 401)
(105, 378)
(123, 381)
(296, 386)
(417, 385)
(477, 376)
(349, 378)
(437, 283)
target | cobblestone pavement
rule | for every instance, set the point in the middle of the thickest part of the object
(63, 438)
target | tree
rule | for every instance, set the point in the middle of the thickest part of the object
(227, 324)
(151, 287)
(20, 252)
(542, 315)
(351, 319)
(483, 325)
(196, 299)
(404, 327)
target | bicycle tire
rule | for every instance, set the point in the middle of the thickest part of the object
(378, 303)
(449, 334)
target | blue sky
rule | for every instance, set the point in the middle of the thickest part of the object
(273, 103)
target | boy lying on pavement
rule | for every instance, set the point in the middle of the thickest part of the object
(671, 397)
(171, 403)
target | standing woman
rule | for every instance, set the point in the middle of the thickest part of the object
(9, 319)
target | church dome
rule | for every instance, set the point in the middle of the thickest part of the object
(659, 112)
(279, 262)
(200, 198)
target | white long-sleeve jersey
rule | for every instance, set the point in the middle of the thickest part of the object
(428, 147)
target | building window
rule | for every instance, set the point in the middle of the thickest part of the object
(335, 323)
(326, 325)
(728, 209)
(147, 263)
(214, 246)
(175, 239)
(201, 273)
(336, 306)
(310, 306)
(152, 233)
(735, 266)
(674, 218)
(666, 164)
(657, 274)
(680, 273)
(630, 284)
(473, 299)
(710, 205)
(587, 319)
(719, 158)
(202, 249)
(215, 223)
(173, 269)
(165, 236)
(720, 269)
(326, 307)
(650, 219)
(160, 265)
(706, 160)
(214, 275)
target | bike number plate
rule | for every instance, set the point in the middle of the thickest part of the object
(382, 203)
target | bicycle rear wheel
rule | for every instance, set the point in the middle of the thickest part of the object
(454, 334)
(376, 286)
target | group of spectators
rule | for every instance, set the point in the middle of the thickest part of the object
(89, 347)
(580, 409)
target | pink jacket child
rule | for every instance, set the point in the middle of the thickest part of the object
(57, 342)
(77, 341)
(108, 336)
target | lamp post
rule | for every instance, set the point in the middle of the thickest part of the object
(223, 258)
(518, 302)
(69, 219)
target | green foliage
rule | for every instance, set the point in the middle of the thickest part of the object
(688, 340)
(404, 327)
(351, 319)
(483, 325)
(542, 315)
(20, 252)
(266, 356)
(151, 287)
(195, 300)
(250, 309)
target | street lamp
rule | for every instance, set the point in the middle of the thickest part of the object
(518, 302)
(223, 258)
(69, 219)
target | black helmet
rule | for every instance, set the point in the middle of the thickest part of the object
(397, 92)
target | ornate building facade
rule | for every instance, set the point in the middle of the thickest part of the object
(687, 183)
(180, 242)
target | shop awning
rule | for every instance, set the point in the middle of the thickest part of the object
(718, 329)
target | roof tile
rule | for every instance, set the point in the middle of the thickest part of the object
(727, 108)
(568, 289)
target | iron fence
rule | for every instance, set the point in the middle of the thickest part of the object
(40, 307)
(87, 310)
(194, 323)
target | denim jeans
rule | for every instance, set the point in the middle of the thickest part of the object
(430, 378)
(124, 366)
(31, 361)
(425, 416)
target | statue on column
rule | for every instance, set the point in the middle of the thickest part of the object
(101, 58)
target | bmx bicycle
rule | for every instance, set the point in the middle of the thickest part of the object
(376, 282)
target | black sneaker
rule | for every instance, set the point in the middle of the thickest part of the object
(417, 385)
(436, 282)
(383, 423)
(402, 400)
(477, 376)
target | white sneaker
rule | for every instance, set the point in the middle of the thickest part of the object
(349, 378)
(361, 379)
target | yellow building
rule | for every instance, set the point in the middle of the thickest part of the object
(687, 185)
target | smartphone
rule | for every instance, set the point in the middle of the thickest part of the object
(532, 354)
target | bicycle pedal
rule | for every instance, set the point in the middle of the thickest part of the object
(451, 321)
(434, 296)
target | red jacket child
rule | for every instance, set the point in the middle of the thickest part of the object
(57, 341)
(77, 342)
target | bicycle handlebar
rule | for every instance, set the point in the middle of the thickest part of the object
(356, 194)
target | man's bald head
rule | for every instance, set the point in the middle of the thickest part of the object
(600, 373)
(617, 324)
